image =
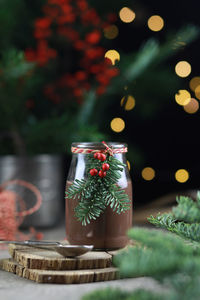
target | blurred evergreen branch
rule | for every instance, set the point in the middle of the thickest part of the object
(164, 256)
(151, 54)
(150, 253)
(177, 42)
(143, 59)
(15, 85)
(171, 259)
(13, 65)
(61, 131)
(117, 294)
(87, 108)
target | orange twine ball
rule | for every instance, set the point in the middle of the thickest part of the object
(10, 218)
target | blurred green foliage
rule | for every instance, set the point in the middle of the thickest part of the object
(173, 260)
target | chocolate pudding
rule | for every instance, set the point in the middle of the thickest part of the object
(106, 232)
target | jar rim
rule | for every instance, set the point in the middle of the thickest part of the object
(98, 145)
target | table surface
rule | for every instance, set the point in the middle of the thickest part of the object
(12, 286)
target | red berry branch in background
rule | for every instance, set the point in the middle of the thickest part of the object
(81, 27)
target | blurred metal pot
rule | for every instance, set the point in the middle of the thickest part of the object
(46, 173)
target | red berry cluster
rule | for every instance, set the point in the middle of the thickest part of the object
(61, 18)
(105, 166)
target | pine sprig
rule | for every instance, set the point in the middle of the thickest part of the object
(184, 219)
(187, 210)
(115, 198)
(86, 211)
(167, 221)
(77, 189)
(95, 194)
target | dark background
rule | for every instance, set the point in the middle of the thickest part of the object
(169, 140)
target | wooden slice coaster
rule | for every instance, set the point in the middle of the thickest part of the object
(33, 258)
(61, 276)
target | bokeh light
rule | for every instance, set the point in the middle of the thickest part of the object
(111, 32)
(192, 107)
(126, 15)
(197, 92)
(113, 55)
(128, 102)
(182, 175)
(128, 164)
(117, 124)
(194, 82)
(148, 173)
(155, 23)
(183, 68)
(183, 97)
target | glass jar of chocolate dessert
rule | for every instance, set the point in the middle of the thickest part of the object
(98, 195)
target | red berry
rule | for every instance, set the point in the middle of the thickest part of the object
(93, 172)
(102, 173)
(97, 155)
(105, 167)
(103, 157)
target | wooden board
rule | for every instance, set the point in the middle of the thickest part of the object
(33, 258)
(45, 266)
(60, 276)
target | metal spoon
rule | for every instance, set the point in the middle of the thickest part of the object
(63, 249)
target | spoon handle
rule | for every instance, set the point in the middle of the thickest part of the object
(31, 243)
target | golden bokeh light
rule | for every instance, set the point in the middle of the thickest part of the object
(126, 15)
(182, 97)
(192, 107)
(197, 92)
(183, 68)
(182, 175)
(194, 82)
(111, 32)
(148, 173)
(155, 23)
(117, 124)
(113, 55)
(128, 164)
(128, 102)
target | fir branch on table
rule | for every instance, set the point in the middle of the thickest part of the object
(96, 193)
(157, 254)
(184, 219)
(168, 222)
(163, 256)
(166, 257)
(187, 210)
